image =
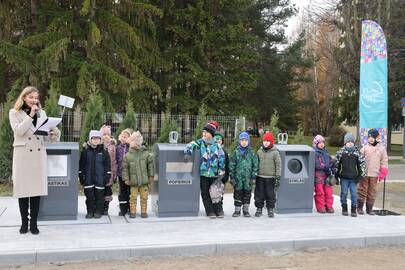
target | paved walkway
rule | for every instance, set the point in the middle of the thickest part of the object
(114, 237)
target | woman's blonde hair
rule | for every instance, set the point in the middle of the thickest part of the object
(20, 100)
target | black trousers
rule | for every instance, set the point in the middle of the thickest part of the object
(94, 199)
(210, 208)
(33, 204)
(123, 196)
(242, 196)
(265, 192)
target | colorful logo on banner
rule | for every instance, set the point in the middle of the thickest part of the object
(373, 81)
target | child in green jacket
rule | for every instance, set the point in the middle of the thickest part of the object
(243, 168)
(138, 171)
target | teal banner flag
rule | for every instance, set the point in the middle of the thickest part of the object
(373, 96)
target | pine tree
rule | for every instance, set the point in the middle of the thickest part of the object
(129, 120)
(6, 134)
(52, 108)
(93, 117)
(168, 125)
(201, 122)
(108, 42)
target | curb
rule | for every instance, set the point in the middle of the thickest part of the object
(189, 250)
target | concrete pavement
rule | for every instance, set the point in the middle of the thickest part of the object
(117, 238)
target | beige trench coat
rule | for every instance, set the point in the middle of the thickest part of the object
(29, 156)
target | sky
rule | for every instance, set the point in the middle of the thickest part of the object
(292, 22)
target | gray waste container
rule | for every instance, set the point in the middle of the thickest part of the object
(297, 179)
(61, 202)
(176, 189)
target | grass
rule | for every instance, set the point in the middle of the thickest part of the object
(6, 189)
(396, 162)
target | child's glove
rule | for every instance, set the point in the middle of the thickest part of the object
(187, 158)
(383, 173)
(127, 182)
(277, 182)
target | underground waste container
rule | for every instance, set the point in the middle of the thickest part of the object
(63, 165)
(175, 191)
(296, 190)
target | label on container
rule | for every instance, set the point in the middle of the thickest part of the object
(179, 181)
(296, 181)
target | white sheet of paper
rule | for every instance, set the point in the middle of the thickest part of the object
(66, 101)
(51, 123)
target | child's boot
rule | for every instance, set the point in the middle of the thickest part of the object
(89, 214)
(270, 212)
(143, 208)
(353, 211)
(105, 211)
(246, 210)
(369, 209)
(360, 205)
(132, 210)
(237, 211)
(259, 212)
(344, 209)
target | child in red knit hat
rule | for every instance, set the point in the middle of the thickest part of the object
(268, 178)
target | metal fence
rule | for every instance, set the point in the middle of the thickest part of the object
(150, 125)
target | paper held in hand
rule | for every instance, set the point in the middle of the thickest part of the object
(48, 124)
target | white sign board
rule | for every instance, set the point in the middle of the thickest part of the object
(57, 165)
(66, 101)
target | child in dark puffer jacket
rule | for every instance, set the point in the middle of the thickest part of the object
(350, 170)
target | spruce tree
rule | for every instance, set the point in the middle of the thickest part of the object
(93, 117)
(168, 125)
(6, 134)
(201, 122)
(129, 120)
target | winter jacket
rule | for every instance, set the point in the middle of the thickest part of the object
(94, 167)
(376, 157)
(121, 151)
(111, 148)
(212, 157)
(226, 175)
(323, 165)
(138, 167)
(269, 162)
(350, 163)
(243, 168)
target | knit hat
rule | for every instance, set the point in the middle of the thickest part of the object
(373, 133)
(127, 131)
(348, 138)
(318, 139)
(210, 129)
(219, 135)
(268, 136)
(244, 136)
(94, 133)
(215, 124)
(105, 130)
(135, 140)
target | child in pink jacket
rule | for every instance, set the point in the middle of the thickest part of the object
(376, 158)
(323, 168)
(109, 145)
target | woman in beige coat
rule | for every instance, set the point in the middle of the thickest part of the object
(29, 156)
